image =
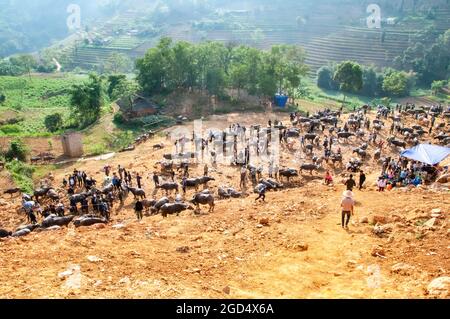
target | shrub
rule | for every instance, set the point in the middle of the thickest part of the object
(22, 174)
(53, 122)
(17, 149)
(119, 118)
(11, 129)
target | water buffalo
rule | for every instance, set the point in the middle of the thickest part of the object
(22, 232)
(362, 153)
(4, 233)
(227, 192)
(160, 203)
(52, 194)
(40, 193)
(53, 220)
(310, 137)
(288, 173)
(345, 135)
(89, 220)
(204, 199)
(169, 187)
(397, 143)
(137, 192)
(174, 208)
(270, 184)
(308, 167)
(12, 191)
(148, 204)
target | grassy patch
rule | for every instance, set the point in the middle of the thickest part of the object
(22, 174)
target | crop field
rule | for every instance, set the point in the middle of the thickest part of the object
(30, 99)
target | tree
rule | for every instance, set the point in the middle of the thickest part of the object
(53, 122)
(154, 68)
(2, 98)
(118, 63)
(17, 149)
(25, 62)
(370, 83)
(396, 83)
(349, 76)
(126, 91)
(324, 77)
(436, 86)
(87, 100)
(114, 80)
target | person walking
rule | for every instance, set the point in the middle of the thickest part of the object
(347, 205)
(156, 179)
(350, 183)
(362, 179)
(138, 180)
(138, 208)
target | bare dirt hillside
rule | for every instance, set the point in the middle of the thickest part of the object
(292, 246)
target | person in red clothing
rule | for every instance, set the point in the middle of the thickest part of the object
(328, 178)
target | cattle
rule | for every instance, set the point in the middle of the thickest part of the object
(52, 194)
(89, 220)
(21, 233)
(30, 227)
(362, 153)
(53, 220)
(293, 132)
(227, 192)
(12, 191)
(310, 137)
(308, 167)
(288, 173)
(397, 143)
(168, 186)
(137, 192)
(345, 135)
(336, 158)
(270, 184)
(204, 199)
(40, 193)
(377, 154)
(148, 204)
(174, 208)
(4, 233)
(160, 203)
(159, 146)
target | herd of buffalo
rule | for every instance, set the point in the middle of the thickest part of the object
(319, 135)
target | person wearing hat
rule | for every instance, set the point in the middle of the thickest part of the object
(347, 205)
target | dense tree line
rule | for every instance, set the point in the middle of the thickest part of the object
(430, 63)
(368, 81)
(213, 67)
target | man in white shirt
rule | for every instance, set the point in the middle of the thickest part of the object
(347, 205)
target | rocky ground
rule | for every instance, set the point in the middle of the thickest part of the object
(292, 246)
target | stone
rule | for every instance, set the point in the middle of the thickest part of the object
(430, 223)
(183, 249)
(379, 219)
(227, 290)
(364, 220)
(94, 259)
(402, 269)
(264, 221)
(378, 251)
(118, 226)
(300, 247)
(439, 287)
(436, 211)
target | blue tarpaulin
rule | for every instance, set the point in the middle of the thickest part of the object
(281, 100)
(427, 153)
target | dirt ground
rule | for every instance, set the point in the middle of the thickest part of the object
(291, 246)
